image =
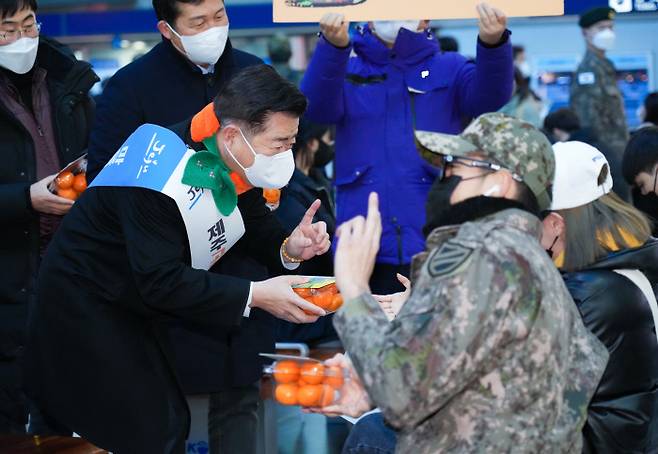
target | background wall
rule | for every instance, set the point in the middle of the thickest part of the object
(554, 36)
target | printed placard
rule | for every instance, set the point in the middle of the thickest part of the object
(370, 10)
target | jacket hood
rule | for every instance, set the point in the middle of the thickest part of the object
(643, 258)
(410, 48)
(63, 68)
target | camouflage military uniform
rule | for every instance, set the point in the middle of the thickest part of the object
(489, 354)
(598, 102)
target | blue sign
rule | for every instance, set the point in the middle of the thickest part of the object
(147, 159)
(634, 6)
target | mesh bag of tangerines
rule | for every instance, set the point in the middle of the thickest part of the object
(305, 381)
(322, 292)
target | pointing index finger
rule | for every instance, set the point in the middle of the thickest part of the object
(310, 213)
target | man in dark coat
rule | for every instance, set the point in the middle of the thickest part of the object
(169, 84)
(130, 256)
(45, 116)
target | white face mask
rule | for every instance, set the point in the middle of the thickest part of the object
(271, 172)
(206, 47)
(388, 30)
(604, 40)
(526, 69)
(19, 56)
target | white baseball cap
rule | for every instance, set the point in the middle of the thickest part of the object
(577, 170)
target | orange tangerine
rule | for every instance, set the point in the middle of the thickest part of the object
(336, 302)
(64, 180)
(310, 395)
(312, 373)
(80, 182)
(67, 193)
(286, 394)
(333, 377)
(286, 371)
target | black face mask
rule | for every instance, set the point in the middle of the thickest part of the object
(549, 251)
(438, 208)
(324, 155)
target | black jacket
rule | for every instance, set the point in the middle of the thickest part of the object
(296, 198)
(164, 88)
(98, 358)
(623, 414)
(208, 362)
(68, 81)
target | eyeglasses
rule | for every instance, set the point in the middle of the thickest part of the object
(31, 31)
(448, 160)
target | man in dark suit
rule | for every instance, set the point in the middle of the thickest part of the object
(131, 256)
(45, 118)
(169, 84)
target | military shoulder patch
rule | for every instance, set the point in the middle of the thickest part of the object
(587, 78)
(448, 259)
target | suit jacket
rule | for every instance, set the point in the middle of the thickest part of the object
(98, 358)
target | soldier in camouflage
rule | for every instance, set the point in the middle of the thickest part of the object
(595, 96)
(489, 353)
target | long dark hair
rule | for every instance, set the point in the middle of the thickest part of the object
(590, 227)
(523, 86)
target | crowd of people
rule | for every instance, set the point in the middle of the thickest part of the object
(496, 259)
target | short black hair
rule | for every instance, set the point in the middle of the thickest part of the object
(167, 10)
(308, 131)
(11, 7)
(641, 154)
(564, 119)
(516, 50)
(448, 44)
(255, 93)
(651, 107)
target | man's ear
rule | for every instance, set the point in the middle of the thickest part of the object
(500, 184)
(228, 134)
(164, 30)
(556, 222)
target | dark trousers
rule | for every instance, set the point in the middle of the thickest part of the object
(371, 436)
(42, 424)
(233, 420)
(384, 281)
(13, 403)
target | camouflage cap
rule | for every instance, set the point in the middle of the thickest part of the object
(596, 15)
(511, 143)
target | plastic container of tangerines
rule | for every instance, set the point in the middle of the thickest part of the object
(322, 292)
(303, 381)
(71, 181)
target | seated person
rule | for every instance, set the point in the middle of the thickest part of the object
(486, 303)
(603, 246)
(640, 170)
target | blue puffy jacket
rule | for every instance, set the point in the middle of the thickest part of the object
(366, 89)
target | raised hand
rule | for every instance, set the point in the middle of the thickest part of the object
(335, 29)
(358, 244)
(309, 239)
(492, 23)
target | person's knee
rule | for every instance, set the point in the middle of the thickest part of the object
(371, 436)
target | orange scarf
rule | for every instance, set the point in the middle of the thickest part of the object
(205, 124)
